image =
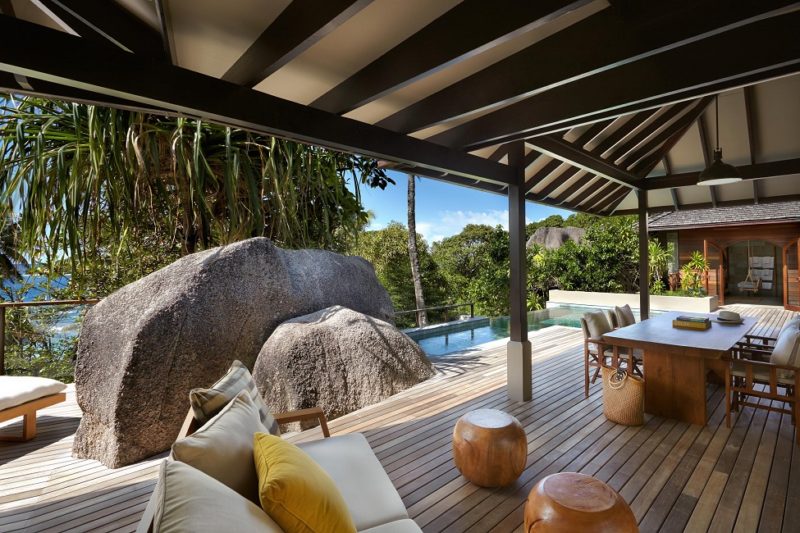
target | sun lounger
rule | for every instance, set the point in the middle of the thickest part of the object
(23, 396)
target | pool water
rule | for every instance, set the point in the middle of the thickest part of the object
(442, 343)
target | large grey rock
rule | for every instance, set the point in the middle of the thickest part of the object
(144, 347)
(552, 238)
(337, 359)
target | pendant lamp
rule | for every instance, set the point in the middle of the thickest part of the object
(718, 172)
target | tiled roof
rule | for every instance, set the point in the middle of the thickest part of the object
(726, 216)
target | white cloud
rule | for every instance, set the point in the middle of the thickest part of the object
(447, 223)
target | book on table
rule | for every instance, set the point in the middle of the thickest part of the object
(691, 322)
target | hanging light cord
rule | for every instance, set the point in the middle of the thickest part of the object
(716, 116)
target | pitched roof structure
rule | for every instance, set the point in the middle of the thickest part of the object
(737, 215)
(447, 88)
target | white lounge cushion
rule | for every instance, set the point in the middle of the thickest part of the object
(16, 390)
(786, 347)
(789, 325)
(399, 526)
(359, 476)
(189, 501)
(223, 447)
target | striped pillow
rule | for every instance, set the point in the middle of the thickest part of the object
(208, 402)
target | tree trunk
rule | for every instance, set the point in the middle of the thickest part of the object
(422, 317)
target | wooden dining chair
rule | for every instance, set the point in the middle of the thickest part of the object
(765, 368)
(597, 353)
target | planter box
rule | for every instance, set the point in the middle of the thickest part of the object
(689, 304)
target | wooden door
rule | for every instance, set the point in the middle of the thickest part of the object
(791, 276)
(715, 277)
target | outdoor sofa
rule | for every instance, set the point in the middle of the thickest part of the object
(23, 396)
(209, 482)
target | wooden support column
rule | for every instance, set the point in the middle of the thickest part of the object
(2, 341)
(519, 347)
(644, 258)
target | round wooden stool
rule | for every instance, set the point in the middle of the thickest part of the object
(569, 501)
(490, 447)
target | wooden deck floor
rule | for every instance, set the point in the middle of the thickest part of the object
(674, 475)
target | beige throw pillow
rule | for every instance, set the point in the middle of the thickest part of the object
(223, 447)
(208, 402)
(624, 316)
(787, 351)
(597, 324)
(189, 500)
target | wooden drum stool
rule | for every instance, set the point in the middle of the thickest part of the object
(569, 501)
(490, 447)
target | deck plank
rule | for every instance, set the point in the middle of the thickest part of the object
(675, 476)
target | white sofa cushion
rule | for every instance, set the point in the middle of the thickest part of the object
(223, 447)
(399, 526)
(189, 501)
(359, 476)
(16, 390)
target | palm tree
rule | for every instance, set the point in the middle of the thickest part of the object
(10, 257)
(87, 179)
(422, 316)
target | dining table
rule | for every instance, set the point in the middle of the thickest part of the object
(677, 361)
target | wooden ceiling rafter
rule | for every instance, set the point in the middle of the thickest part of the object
(590, 133)
(643, 161)
(696, 69)
(660, 31)
(464, 31)
(106, 23)
(770, 169)
(750, 120)
(49, 55)
(644, 134)
(296, 29)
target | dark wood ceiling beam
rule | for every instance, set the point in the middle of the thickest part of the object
(676, 202)
(644, 159)
(590, 195)
(651, 30)
(107, 23)
(302, 24)
(542, 173)
(706, 205)
(590, 133)
(645, 133)
(579, 157)
(722, 61)
(469, 28)
(25, 85)
(50, 55)
(771, 169)
(579, 184)
(623, 131)
(612, 202)
(749, 113)
(6, 7)
(557, 182)
(164, 28)
(601, 194)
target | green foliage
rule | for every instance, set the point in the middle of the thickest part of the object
(660, 258)
(475, 264)
(606, 261)
(387, 250)
(692, 274)
(88, 180)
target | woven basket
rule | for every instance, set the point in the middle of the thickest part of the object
(623, 397)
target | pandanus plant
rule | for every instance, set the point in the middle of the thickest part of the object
(78, 177)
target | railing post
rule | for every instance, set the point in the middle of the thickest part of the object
(3, 342)
(472, 309)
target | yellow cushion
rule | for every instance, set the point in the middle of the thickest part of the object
(295, 491)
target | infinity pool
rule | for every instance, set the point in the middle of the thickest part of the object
(457, 339)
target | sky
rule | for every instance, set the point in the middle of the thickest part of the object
(443, 209)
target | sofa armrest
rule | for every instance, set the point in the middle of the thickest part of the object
(304, 414)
